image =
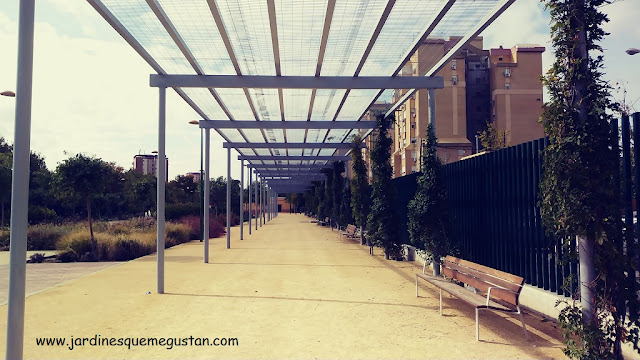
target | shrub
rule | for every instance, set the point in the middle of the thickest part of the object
(176, 211)
(216, 227)
(67, 255)
(44, 236)
(38, 214)
(125, 249)
(79, 241)
(36, 258)
(4, 240)
(119, 229)
(193, 222)
(179, 233)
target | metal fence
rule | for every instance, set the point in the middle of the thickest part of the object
(494, 209)
(495, 214)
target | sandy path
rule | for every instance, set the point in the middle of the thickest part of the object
(290, 290)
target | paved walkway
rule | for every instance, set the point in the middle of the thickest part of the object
(290, 290)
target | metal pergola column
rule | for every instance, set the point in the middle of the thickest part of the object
(161, 175)
(241, 198)
(228, 198)
(20, 184)
(207, 191)
(255, 199)
(260, 200)
(249, 197)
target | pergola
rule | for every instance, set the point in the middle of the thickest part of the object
(285, 83)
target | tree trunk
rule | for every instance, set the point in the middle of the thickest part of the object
(2, 220)
(94, 244)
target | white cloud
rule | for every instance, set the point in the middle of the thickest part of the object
(92, 96)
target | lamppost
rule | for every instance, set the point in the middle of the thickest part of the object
(632, 51)
(201, 183)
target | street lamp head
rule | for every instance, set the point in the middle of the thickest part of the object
(632, 51)
(8, 93)
(194, 122)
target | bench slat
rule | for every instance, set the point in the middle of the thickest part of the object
(463, 294)
(497, 273)
(484, 276)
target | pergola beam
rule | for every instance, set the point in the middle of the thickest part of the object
(296, 82)
(298, 125)
(258, 167)
(293, 157)
(240, 145)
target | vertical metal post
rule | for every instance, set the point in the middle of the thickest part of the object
(228, 198)
(249, 195)
(241, 198)
(255, 193)
(636, 175)
(270, 203)
(207, 191)
(432, 109)
(161, 175)
(259, 213)
(20, 184)
(626, 181)
(201, 187)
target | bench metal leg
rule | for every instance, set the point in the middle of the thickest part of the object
(416, 285)
(524, 327)
(440, 301)
(477, 326)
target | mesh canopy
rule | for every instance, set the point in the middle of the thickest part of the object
(311, 38)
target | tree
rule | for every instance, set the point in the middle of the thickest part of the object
(5, 183)
(428, 225)
(336, 192)
(382, 222)
(360, 189)
(326, 204)
(140, 192)
(493, 138)
(84, 176)
(580, 196)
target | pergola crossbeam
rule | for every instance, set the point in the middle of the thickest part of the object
(293, 157)
(240, 145)
(296, 82)
(299, 125)
(258, 167)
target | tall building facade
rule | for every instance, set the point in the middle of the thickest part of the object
(480, 86)
(148, 165)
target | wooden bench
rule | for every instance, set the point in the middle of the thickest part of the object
(349, 232)
(494, 283)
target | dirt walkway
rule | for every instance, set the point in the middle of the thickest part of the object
(290, 290)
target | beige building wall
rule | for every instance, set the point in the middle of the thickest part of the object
(516, 92)
(516, 107)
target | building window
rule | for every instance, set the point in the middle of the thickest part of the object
(413, 126)
(454, 80)
(507, 86)
(413, 141)
(453, 65)
(500, 58)
(460, 152)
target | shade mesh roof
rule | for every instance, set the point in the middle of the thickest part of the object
(288, 38)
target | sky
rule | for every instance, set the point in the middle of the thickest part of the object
(91, 90)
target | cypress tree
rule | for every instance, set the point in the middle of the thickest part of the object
(382, 222)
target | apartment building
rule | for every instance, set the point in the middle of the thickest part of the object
(148, 165)
(480, 86)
